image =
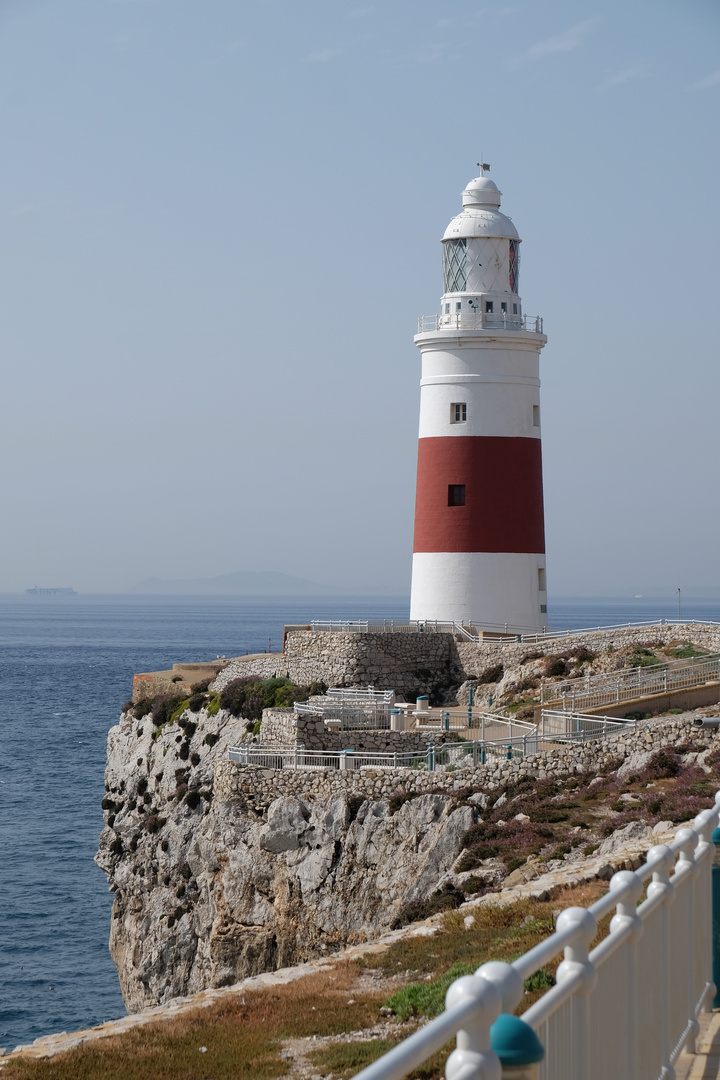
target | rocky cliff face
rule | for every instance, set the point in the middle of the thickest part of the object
(209, 890)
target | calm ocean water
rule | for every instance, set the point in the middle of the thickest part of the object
(66, 668)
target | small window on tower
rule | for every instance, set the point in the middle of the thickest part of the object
(503, 306)
(542, 586)
(489, 306)
(456, 494)
(458, 305)
(458, 412)
(536, 416)
(514, 309)
(447, 309)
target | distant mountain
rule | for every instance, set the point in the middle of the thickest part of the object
(241, 583)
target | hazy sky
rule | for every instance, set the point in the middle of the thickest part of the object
(219, 222)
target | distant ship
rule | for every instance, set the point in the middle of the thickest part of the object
(35, 591)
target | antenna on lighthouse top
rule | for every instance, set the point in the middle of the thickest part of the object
(483, 167)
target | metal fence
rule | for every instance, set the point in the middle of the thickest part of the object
(632, 682)
(626, 1010)
(474, 631)
(480, 320)
(373, 716)
(557, 726)
(448, 756)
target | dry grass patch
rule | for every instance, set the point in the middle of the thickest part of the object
(241, 1033)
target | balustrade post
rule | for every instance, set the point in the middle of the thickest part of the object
(474, 1057)
(630, 883)
(687, 867)
(577, 963)
(662, 886)
(703, 914)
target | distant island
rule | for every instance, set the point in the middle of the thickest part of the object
(36, 591)
(247, 583)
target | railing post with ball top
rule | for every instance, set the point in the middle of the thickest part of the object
(578, 965)
(663, 858)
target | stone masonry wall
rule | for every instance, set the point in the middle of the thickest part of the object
(430, 663)
(282, 727)
(262, 786)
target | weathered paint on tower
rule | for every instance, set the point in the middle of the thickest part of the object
(479, 547)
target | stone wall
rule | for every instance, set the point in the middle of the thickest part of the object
(261, 786)
(282, 727)
(431, 663)
(407, 663)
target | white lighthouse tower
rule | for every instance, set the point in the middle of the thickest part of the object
(479, 546)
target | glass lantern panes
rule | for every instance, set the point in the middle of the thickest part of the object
(514, 265)
(454, 276)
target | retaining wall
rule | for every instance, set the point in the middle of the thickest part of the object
(282, 727)
(429, 663)
(260, 786)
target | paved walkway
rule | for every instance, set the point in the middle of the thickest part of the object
(705, 1064)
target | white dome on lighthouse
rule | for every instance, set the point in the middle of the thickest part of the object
(481, 215)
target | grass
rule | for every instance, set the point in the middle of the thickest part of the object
(242, 1034)
(345, 1059)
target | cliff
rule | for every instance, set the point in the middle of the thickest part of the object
(209, 890)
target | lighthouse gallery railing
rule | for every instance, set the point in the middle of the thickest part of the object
(480, 320)
(625, 1010)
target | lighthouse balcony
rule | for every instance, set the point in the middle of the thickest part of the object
(480, 320)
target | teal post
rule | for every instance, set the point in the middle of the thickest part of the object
(470, 704)
(518, 1047)
(716, 916)
(431, 758)
(509, 752)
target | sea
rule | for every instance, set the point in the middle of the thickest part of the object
(66, 667)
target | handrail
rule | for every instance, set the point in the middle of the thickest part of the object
(473, 631)
(631, 682)
(589, 1021)
(480, 320)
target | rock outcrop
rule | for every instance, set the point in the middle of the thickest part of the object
(211, 890)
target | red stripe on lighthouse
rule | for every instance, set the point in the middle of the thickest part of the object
(503, 508)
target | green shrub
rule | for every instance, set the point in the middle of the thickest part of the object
(116, 846)
(196, 702)
(446, 898)
(154, 823)
(194, 758)
(555, 666)
(142, 708)
(193, 799)
(164, 707)
(213, 706)
(184, 751)
(142, 785)
(185, 871)
(540, 980)
(211, 738)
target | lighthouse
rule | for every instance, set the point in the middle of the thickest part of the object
(479, 543)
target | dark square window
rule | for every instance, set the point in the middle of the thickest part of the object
(456, 494)
(489, 306)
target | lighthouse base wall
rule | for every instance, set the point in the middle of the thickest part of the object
(492, 589)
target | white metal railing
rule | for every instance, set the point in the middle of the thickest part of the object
(359, 716)
(455, 755)
(480, 320)
(469, 631)
(473, 631)
(626, 1010)
(353, 694)
(489, 725)
(632, 682)
(560, 727)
